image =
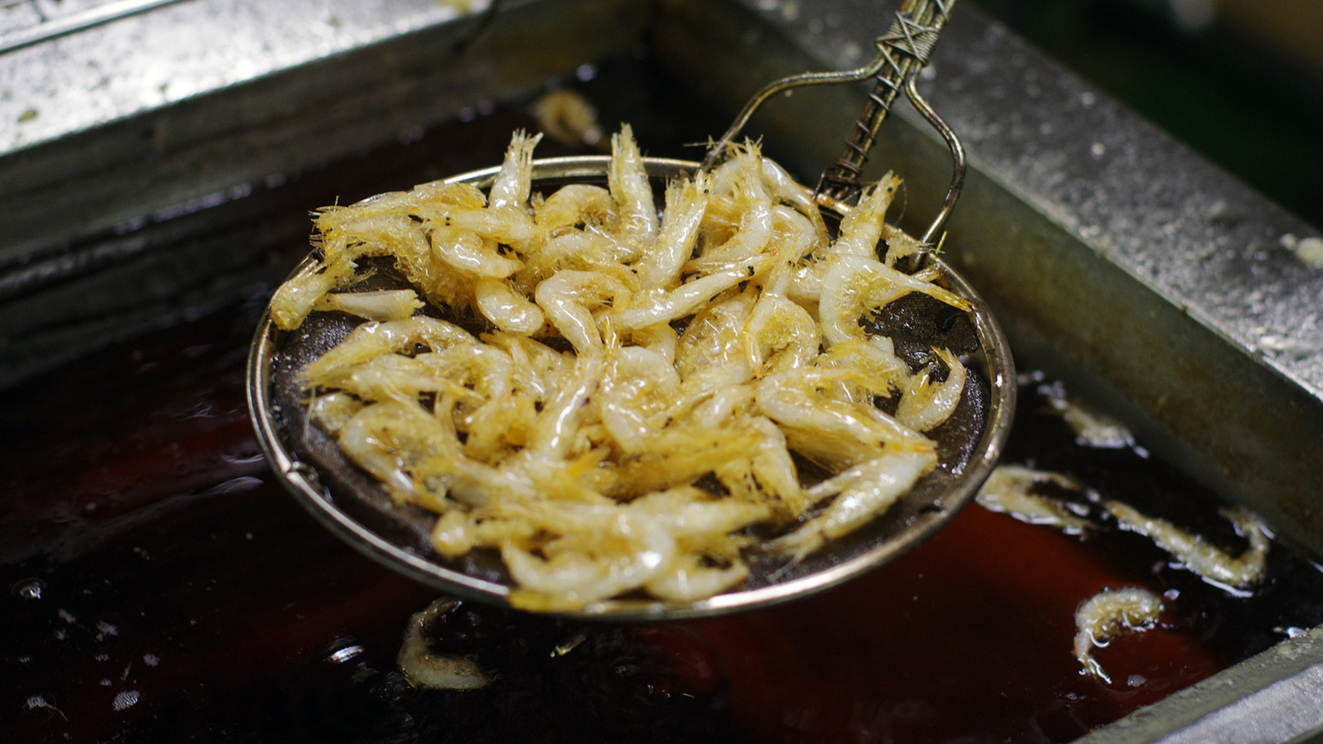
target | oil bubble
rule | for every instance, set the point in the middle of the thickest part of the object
(30, 589)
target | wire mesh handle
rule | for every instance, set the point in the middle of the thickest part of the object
(901, 53)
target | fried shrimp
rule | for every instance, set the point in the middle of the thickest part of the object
(632, 412)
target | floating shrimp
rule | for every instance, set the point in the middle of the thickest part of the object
(1109, 614)
(1009, 491)
(1214, 565)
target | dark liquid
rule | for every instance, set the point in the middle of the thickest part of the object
(164, 588)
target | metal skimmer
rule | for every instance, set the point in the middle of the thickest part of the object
(352, 505)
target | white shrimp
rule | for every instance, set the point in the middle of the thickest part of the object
(506, 307)
(387, 439)
(855, 286)
(568, 299)
(686, 203)
(838, 433)
(627, 178)
(663, 306)
(472, 254)
(793, 238)
(604, 552)
(638, 383)
(689, 579)
(1109, 614)
(861, 229)
(754, 205)
(576, 204)
(514, 180)
(785, 188)
(1199, 556)
(297, 297)
(862, 493)
(380, 305)
(925, 403)
(780, 335)
(374, 339)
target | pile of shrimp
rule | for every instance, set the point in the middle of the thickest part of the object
(708, 343)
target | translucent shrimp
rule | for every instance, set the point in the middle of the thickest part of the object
(862, 227)
(862, 493)
(686, 203)
(780, 335)
(471, 254)
(838, 433)
(381, 305)
(576, 204)
(712, 359)
(388, 438)
(391, 377)
(855, 286)
(294, 299)
(568, 299)
(509, 226)
(690, 578)
(515, 178)
(786, 189)
(663, 306)
(927, 403)
(374, 339)
(506, 307)
(627, 179)
(535, 366)
(1109, 614)
(793, 238)
(637, 385)
(604, 552)
(1199, 556)
(697, 353)
(753, 204)
(332, 411)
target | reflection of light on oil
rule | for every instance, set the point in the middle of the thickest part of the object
(29, 589)
(125, 700)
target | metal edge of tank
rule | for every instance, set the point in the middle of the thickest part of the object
(1118, 260)
(70, 283)
(113, 148)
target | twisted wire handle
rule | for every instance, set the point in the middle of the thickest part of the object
(902, 52)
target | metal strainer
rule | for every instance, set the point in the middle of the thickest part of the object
(351, 503)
